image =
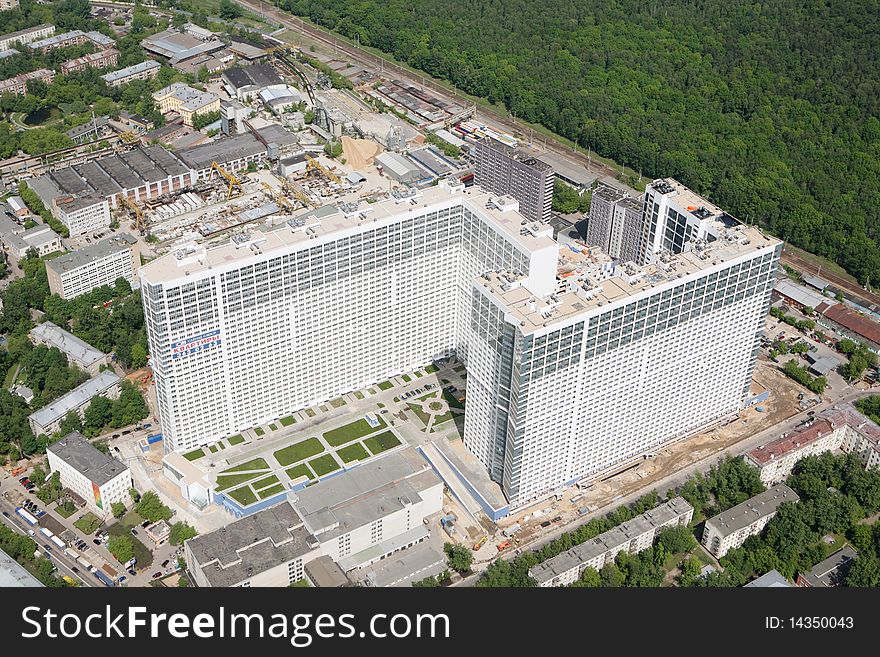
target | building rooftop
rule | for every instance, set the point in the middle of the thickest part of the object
(171, 43)
(26, 31)
(836, 417)
(613, 538)
(398, 164)
(191, 99)
(252, 545)
(833, 570)
(366, 493)
(54, 40)
(327, 221)
(75, 398)
(85, 458)
(66, 342)
(853, 321)
(255, 75)
(91, 253)
(800, 294)
(326, 573)
(742, 515)
(134, 69)
(222, 151)
(276, 134)
(771, 580)
(14, 575)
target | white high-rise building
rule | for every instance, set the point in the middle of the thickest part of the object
(575, 362)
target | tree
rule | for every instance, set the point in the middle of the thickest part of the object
(459, 557)
(589, 579)
(135, 496)
(152, 508)
(229, 10)
(97, 415)
(864, 571)
(677, 539)
(118, 509)
(611, 576)
(121, 547)
(71, 422)
(180, 532)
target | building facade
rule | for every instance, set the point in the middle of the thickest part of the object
(501, 169)
(26, 36)
(92, 266)
(18, 84)
(730, 529)
(48, 419)
(146, 70)
(83, 214)
(544, 332)
(186, 101)
(615, 223)
(98, 478)
(78, 352)
(100, 59)
(632, 537)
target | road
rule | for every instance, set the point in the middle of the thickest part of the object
(383, 66)
(677, 479)
(65, 564)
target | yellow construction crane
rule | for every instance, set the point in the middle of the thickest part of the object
(279, 196)
(293, 188)
(231, 179)
(312, 163)
(128, 137)
(139, 223)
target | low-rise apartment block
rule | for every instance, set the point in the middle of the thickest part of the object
(72, 38)
(632, 537)
(18, 84)
(839, 428)
(79, 353)
(26, 36)
(730, 529)
(100, 59)
(186, 101)
(146, 70)
(98, 478)
(48, 419)
(829, 572)
(92, 266)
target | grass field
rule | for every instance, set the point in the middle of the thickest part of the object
(287, 421)
(351, 431)
(221, 445)
(255, 464)
(406, 378)
(88, 524)
(237, 439)
(382, 442)
(272, 427)
(359, 394)
(123, 528)
(269, 492)
(417, 409)
(213, 449)
(194, 455)
(265, 482)
(385, 385)
(355, 452)
(228, 481)
(244, 495)
(298, 451)
(310, 412)
(259, 431)
(324, 465)
(338, 402)
(431, 369)
(298, 471)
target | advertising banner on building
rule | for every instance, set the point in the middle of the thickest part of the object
(195, 344)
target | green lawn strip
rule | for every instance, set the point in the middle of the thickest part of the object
(417, 409)
(355, 452)
(287, 421)
(324, 465)
(141, 552)
(831, 548)
(431, 369)
(382, 442)
(244, 495)
(213, 449)
(221, 445)
(237, 439)
(272, 427)
(418, 374)
(351, 431)
(64, 514)
(195, 454)
(265, 482)
(254, 464)
(298, 451)
(298, 471)
(269, 492)
(406, 378)
(228, 481)
(310, 412)
(385, 385)
(452, 401)
(427, 396)
(88, 524)
(359, 394)
(259, 431)
(337, 403)
(435, 406)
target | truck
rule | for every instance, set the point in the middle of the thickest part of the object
(103, 578)
(85, 564)
(70, 552)
(57, 541)
(45, 532)
(107, 568)
(27, 517)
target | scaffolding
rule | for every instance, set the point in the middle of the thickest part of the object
(230, 178)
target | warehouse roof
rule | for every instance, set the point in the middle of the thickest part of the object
(91, 253)
(252, 545)
(397, 163)
(75, 398)
(86, 459)
(222, 151)
(255, 75)
(14, 575)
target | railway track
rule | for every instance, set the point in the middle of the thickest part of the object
(378, 64)
(806, 267)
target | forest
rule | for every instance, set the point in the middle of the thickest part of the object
(771, 109)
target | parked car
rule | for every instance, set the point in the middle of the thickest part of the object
(23, 480)
(5, 514)
(116, 435)
(145, 523)
(134, 532)
(121, 579)
(132, 572)
(157, 574)
(96, 541)
(166, 562)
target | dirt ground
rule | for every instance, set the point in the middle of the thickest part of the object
(359, 153)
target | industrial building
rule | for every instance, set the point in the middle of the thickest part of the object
(399, 168)
(615, 223)
(632, 537)
(95, 476)
(730, 529)
(78, 352)
(97, 127)
(233, 153)
(179, 47)
(841, 427)
(849, 324)
(280, 98)
(245, 82)
(26, 36)
(40, 238)
(146, 70)
(655, 351)
(92, 266)
(186, 101)
(48, 419)
(502, 169)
